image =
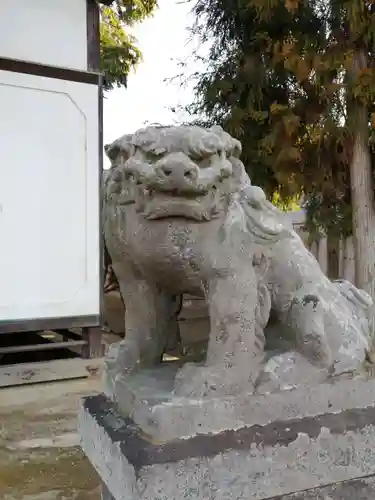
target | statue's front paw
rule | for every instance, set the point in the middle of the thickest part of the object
(288, 371)
(190, 381)
(127, 359)
(196, 381)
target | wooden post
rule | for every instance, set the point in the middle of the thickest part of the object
(323, 253)
(333, 256)
(94, 347)
(93, 36)
(348, 260)
(314, 248)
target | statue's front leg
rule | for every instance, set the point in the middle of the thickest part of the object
(235, 348)
(148, 312)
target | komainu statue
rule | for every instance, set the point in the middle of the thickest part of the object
(181, 216)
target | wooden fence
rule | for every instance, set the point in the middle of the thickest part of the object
(336, 258)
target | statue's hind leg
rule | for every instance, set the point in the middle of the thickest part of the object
(306, 317)
(174, 339)
(312, 358)
(148, 316)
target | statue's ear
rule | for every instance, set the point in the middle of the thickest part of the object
(120, 147)
(236, 148)
(112, 151)
(216, 129)
(239, 172)
(233, 146)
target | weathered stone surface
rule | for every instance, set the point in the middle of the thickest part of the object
(255, 462)
(354, 489)
(149, 400)
(106, 494)
(181, 216)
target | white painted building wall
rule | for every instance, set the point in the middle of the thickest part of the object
(51, 32)
(49, 206)
(50, 254)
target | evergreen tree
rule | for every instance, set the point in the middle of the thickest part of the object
(294, 81)
(118, 49)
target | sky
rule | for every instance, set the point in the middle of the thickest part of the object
(163, 40)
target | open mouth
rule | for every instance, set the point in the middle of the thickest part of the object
(166, 204)
(175, 194)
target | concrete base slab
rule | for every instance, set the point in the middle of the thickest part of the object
(147, 398)
(286, 456)
(105, 493)
(354, 489)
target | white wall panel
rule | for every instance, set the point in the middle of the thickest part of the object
(49, 202)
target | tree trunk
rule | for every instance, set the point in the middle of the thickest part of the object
(362, 192)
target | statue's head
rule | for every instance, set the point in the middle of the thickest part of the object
(177, 171)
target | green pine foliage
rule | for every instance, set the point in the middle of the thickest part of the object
(281, 78)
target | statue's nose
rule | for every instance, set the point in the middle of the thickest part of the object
(177, 169)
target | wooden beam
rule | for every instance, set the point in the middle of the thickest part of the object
(49, 371)
(41, 347)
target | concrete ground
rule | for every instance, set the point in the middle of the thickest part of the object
(40, 458)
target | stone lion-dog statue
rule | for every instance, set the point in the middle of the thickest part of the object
(181, 216)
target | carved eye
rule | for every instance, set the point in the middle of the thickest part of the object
(203, 162)
(116, 176)
(114, 188)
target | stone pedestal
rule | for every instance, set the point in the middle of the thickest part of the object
(311, 443)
